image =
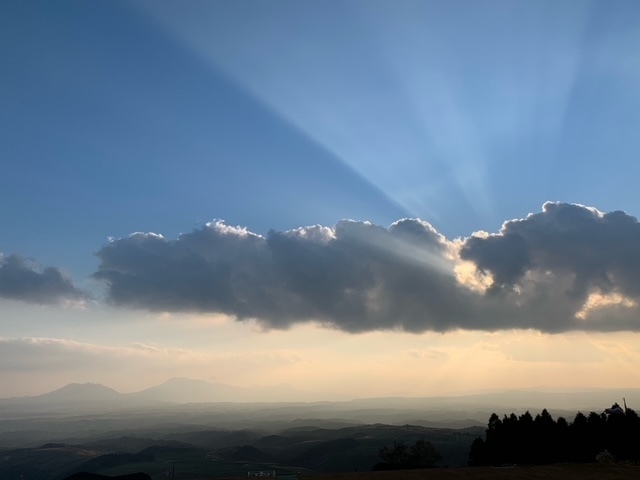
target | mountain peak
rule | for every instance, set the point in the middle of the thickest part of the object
(92, 392)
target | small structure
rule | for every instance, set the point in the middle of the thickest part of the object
(616, 409)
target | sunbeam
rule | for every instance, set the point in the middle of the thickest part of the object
(427, 113)
(415, 196)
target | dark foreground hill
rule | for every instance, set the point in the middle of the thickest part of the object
(221, 453)
(546, 472)
(95, 476)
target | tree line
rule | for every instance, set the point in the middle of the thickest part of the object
(400, 456)
(525, 440)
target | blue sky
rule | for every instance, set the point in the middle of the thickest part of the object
(157, 116)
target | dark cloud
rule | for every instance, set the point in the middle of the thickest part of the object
(358, 276)
(22, 279)
(355, 276)
(562, 255)
(594, 247)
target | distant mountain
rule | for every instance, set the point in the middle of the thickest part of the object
(92, 393)
(88, 396)
(88, 391)
(185, 390)
(175, 390)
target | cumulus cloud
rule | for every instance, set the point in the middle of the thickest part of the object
(356, 276)
(562, 264)
(569, 267)
(22, 279)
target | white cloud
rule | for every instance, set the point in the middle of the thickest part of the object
(551, 271)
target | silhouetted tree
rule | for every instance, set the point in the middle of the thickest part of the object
(544, 429)
(542, 440)
(478, 453)
(561, 440)
(396, 456)
(422, 454)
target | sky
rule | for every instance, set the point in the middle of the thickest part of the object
(354, 198)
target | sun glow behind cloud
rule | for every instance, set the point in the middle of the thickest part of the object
(598, 300)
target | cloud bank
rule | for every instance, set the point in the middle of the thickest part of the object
(569, 267)
(21, 279)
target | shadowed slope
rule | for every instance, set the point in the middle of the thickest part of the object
(95, 476)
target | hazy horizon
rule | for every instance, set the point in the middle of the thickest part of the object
(358, 199)
(190, 390)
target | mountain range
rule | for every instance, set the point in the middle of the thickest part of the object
(174, 390)
(190, 391)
